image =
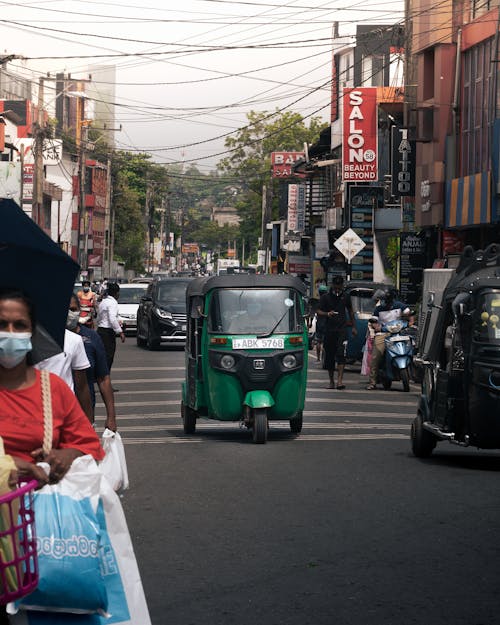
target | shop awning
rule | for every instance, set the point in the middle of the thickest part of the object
(468, 201)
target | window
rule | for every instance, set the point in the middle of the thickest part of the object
(479, 7)
(366, 71)
(476, 109)
(487, 318)
(428, 91)
(255, 311)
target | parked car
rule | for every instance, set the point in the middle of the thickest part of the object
(128, 303)
(161, 316)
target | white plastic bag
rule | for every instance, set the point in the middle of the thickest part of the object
(114, 464)
(126, 600)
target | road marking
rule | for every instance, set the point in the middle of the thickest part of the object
(309, 399)
(274, 426)
(149, 368)
(146, 380)
(307, 413)
(301, 437)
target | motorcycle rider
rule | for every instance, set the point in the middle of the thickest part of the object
(389, 309)
(88, 302)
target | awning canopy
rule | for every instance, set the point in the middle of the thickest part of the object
(468, 201)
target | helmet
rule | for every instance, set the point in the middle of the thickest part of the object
(391, 294)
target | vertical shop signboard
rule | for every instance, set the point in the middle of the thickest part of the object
(412, 264)
(363, 200)
(296, 207)
(360, 134)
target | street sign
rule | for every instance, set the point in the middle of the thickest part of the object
(349, 244)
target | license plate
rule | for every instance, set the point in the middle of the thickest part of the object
(255, 343)
(183, 328)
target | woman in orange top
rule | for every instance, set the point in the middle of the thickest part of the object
(21, 406)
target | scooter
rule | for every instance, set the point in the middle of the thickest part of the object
(399, 349)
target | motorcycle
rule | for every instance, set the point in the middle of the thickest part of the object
(398, 358)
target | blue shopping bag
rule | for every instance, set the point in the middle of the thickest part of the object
(69, 544)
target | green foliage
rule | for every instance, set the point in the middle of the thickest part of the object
(392, 253)
(139, 187)
(250, 159)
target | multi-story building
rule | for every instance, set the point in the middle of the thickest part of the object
(456, 122)
(373, 58)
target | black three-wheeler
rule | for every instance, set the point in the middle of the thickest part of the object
(460, 400)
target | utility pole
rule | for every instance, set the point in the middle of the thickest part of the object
(37, 201)
(82, 208)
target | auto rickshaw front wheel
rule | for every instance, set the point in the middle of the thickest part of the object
(260, 423)
(296, 423)
(422, 441)
(189, 417)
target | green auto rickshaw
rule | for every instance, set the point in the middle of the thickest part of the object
(246, 351)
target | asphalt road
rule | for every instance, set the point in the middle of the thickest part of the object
(340, 525)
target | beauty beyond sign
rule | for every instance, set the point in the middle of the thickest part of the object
(360, 158)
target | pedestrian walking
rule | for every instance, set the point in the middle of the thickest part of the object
(107, 322)
(335, 306)
(71, 365)
(98, 371)
(319, 334)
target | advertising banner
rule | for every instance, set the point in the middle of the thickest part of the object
(282, 162)
(412, 264)
(360, 131)
(403, 163)
(51, 152)
(363, 201)
(10, 181)
(296, 207)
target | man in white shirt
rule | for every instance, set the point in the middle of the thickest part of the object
(107, 322)
(71, 366)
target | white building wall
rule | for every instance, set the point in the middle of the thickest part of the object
(61, 175)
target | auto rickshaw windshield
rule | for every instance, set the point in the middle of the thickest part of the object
(487, 318)
(255, 311)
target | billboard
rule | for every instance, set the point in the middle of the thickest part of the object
(282, 162)
(360, 129)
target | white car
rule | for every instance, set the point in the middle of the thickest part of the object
(128, 303)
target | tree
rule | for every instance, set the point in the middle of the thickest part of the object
(250, 159)
(139, 187)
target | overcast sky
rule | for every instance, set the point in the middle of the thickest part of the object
(175, 93)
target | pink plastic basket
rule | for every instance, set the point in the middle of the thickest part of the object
(18, 554)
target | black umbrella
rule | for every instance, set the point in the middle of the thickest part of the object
(32, 262)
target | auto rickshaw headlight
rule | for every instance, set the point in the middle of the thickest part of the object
(164, 314)
(289, 361)
(227, 361)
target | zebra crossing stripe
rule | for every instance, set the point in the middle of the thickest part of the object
(293, 437)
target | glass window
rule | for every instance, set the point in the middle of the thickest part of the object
(487, 318)
(366, 71)
(172, 292)
(132, 295)
(255, 311)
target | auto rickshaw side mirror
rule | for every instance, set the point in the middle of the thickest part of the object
(196, 309)
(461, 305)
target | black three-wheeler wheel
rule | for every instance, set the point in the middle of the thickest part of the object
(189, 417)
(422, 441)
(260, 424)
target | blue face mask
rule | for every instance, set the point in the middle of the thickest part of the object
(13, 348)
